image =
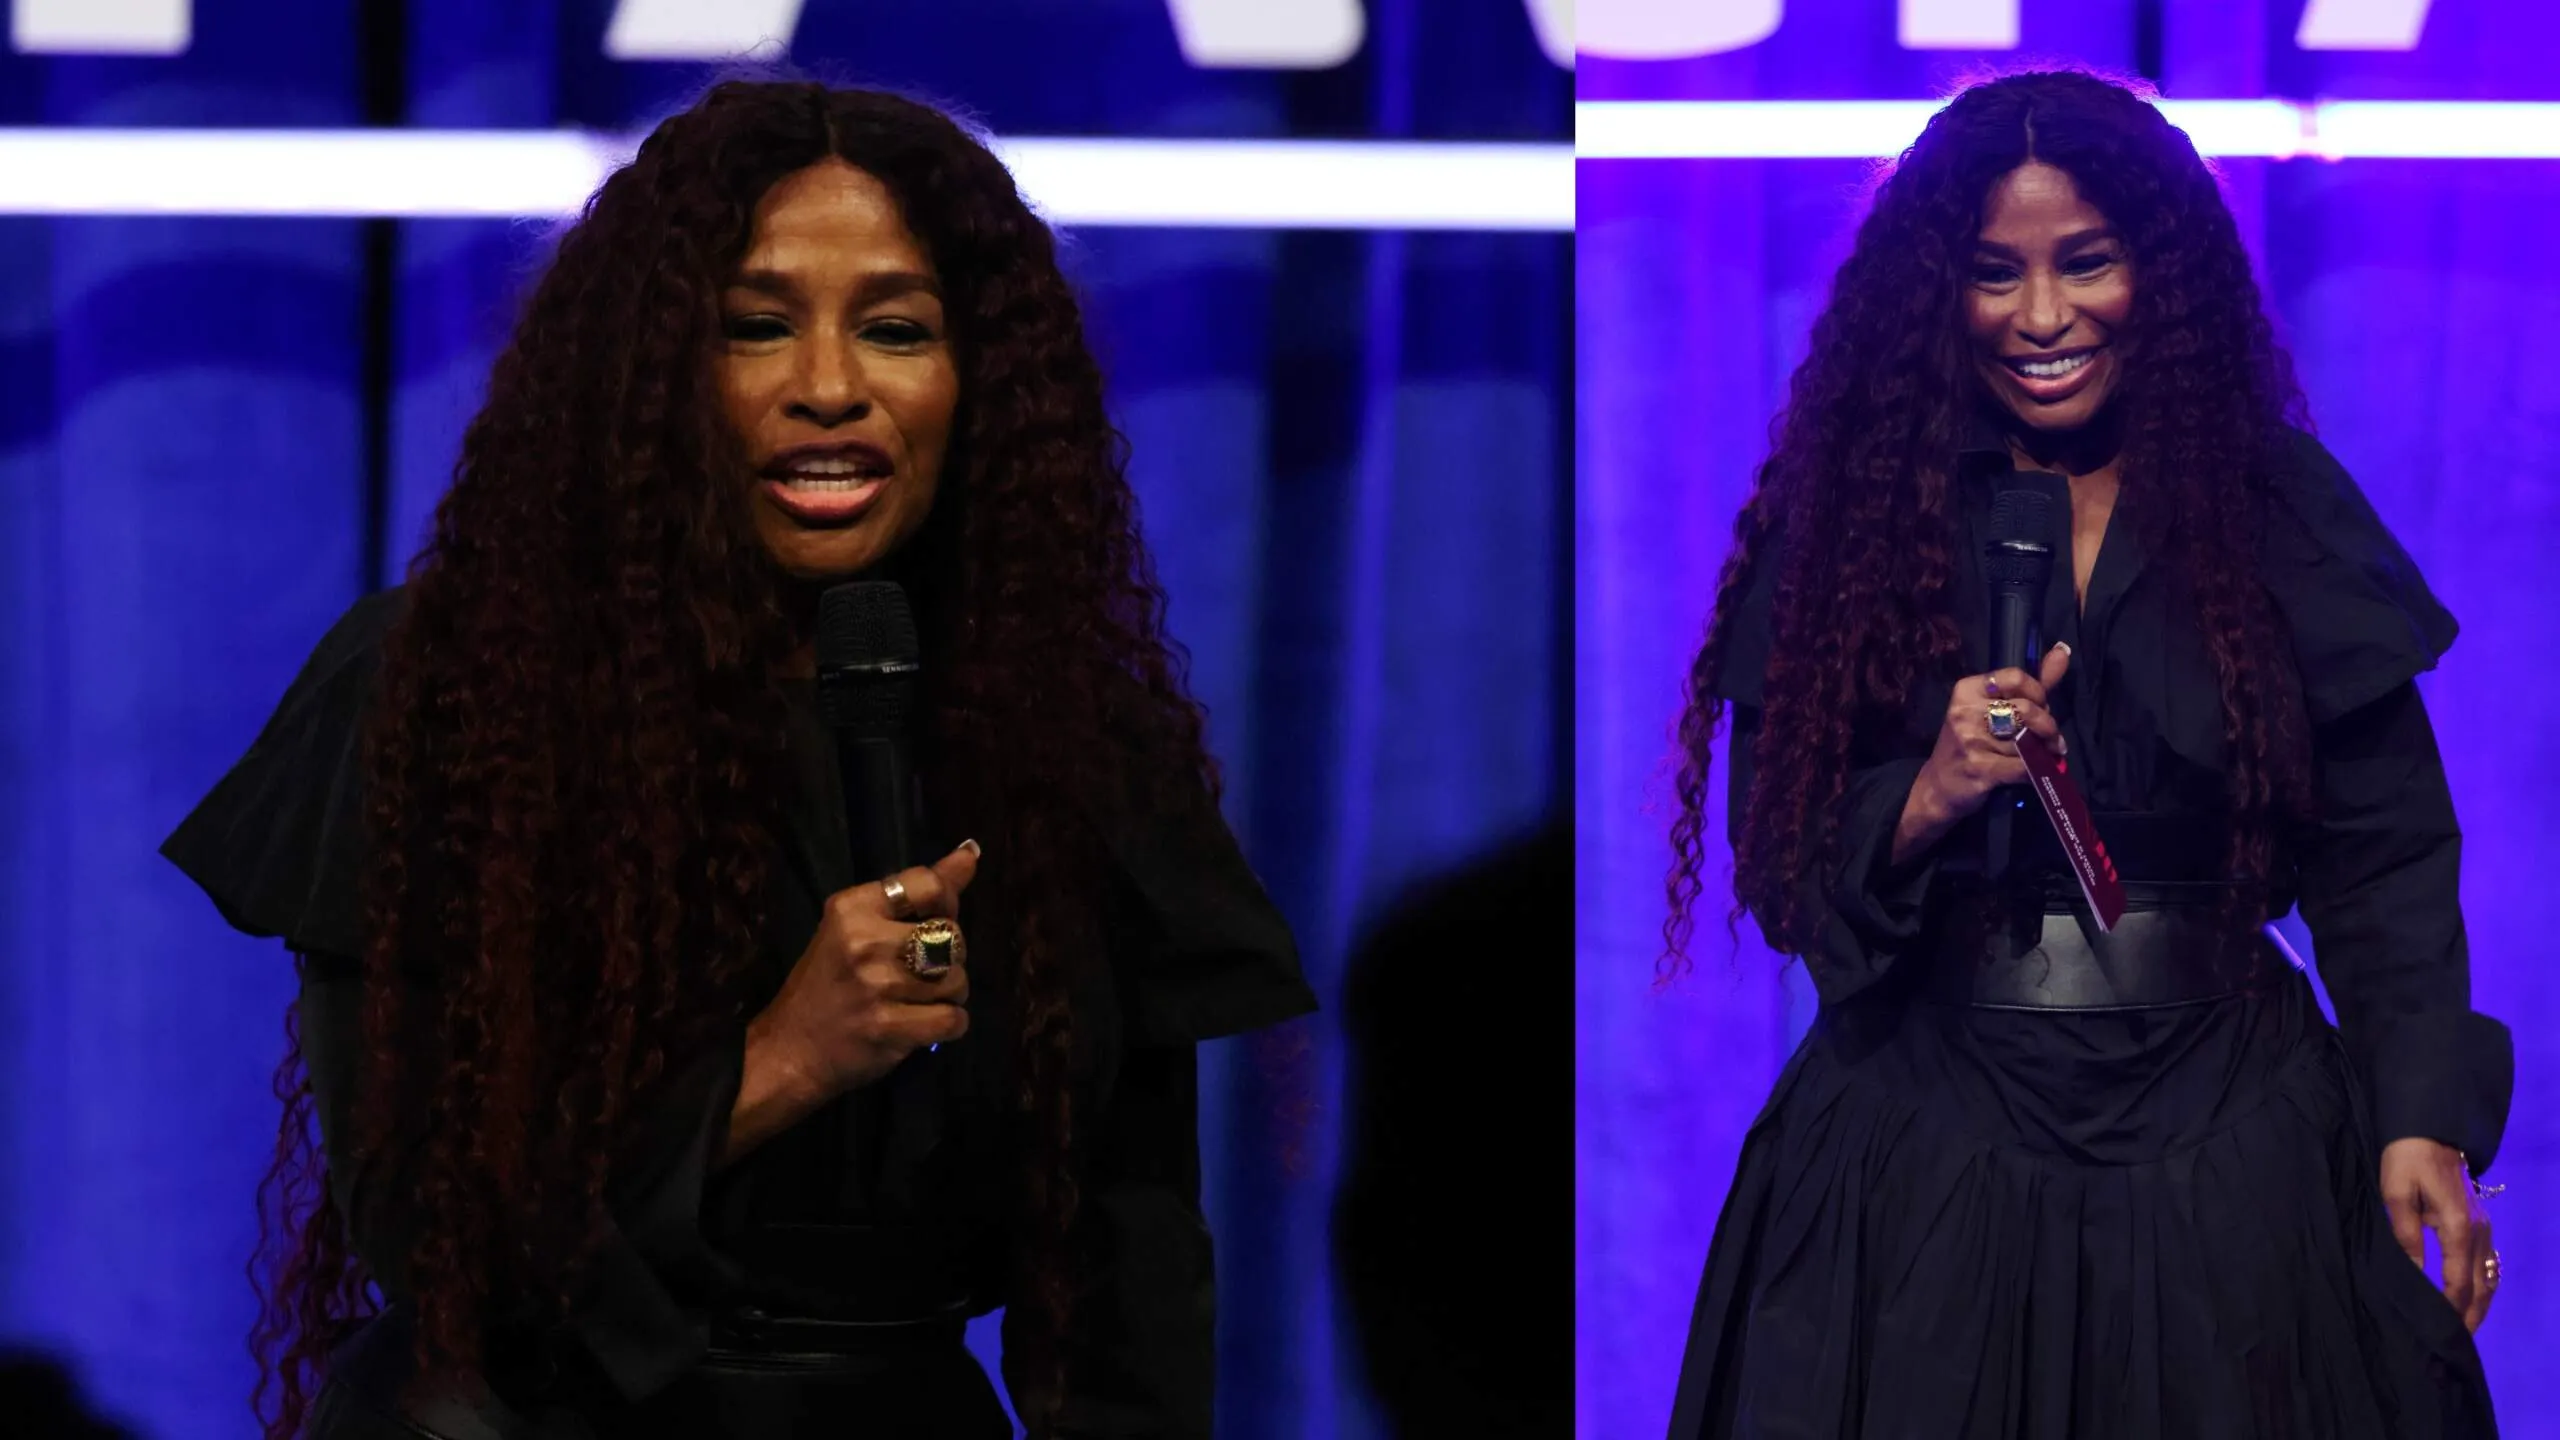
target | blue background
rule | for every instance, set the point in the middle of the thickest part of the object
(2418, 299)
(1350, 448)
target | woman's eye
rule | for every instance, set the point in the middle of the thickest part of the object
(755, 327)
(898, 332)
(2089, 264)
(1993, 274)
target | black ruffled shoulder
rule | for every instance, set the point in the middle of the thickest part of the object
(2363, 620)
(279, 846)
(279, 843)
(1748, 629)
(1218, 958)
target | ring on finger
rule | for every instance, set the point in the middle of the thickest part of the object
(900, 906)
(2489, 1269)
(2003, 715)
(933, 947)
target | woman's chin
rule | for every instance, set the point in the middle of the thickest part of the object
(815, 555)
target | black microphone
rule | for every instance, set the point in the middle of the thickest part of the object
(2017, 561)
(867, 674)
(868, 667)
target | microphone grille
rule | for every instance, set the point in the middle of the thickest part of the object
(2022, 514)
(867, 657)
(2020, 551)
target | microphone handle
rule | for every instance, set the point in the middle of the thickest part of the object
(879, 806)
(2013, 642)
(880, 834)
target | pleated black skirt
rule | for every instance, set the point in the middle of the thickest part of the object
(1982, 1224)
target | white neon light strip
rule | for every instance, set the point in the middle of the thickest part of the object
(1358, 185)
(1868, 129)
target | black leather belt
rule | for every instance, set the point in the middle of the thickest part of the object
(752, 1332)
(2041, 952)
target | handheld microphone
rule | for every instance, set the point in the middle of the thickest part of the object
(868, 667)
(2017, 562)
(867, 675)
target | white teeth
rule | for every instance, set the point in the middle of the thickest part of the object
(2056, 369)
(825, 485)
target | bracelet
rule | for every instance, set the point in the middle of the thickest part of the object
(2478, 1190)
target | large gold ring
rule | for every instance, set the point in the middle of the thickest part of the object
(2003, 715)
(933, 947)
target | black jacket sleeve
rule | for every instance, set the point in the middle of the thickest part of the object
(279, 845)
(2381, 893)
(628, 1319)
(2380, 869)
(1869, 909)
(1210, 957)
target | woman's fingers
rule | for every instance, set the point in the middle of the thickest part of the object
(2482, 1292)
(2013, 684)
(915, 893)
(913, 1027)
(1975, 722)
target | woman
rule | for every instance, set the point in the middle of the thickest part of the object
(630, 1088)
(2023, 1178)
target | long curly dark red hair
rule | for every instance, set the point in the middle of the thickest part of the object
(1853, 505)
(576, 767)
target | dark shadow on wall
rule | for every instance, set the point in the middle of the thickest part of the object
(39, 1400)
(1452, 1232)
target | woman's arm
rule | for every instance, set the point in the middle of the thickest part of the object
(1142, 1355)
(629, 1317)
(1868, 907)
(775, 1092)
(2381, 873)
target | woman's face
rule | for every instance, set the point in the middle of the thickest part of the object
(835, 367)
(2051, 285)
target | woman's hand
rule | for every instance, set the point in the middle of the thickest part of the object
(851, 1009)
(1967, 764)
(2426, 1187)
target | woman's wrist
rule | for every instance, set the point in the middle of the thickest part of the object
(1925, 817)
(775, 1090)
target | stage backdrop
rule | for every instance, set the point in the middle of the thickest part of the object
(2418, 305)
(210, 444)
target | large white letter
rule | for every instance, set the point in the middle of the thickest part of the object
(1673, 29)
(699, 29)
(101, 27)
(1959, 24)
(2361, 24)
(1258, 35)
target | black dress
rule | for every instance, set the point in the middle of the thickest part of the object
(872, 1230)
(1963, 1221)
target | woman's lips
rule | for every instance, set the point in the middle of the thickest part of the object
(2052, 390)
(833, 504)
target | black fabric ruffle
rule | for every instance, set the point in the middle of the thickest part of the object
(280, 844)
(2361, 615)
(2362, 618)
(1982, 1225)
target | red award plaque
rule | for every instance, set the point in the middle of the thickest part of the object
(2049, 775)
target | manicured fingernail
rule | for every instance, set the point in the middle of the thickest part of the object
(971, 846)
(2062, 645)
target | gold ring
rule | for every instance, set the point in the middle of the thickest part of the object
(2489, 1270)
(933, 947)
(899, 905)
(2003, 715)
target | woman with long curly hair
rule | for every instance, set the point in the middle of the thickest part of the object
(2025, 1175)
(642, 1110)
